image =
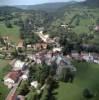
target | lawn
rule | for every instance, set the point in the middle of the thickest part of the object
(87, 77)
(4, 69)
(12, 33)
(81, 29)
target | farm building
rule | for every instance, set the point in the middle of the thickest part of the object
(19, 65)
(11, 78)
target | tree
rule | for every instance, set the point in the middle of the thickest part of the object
(67, 48)
(32, 95)
(49, 47)
(97, 21)
(63, 75)
(67, 41)
(39, 72)
(14, 53)
(68, 75)
(24, 88)
(77, 21)
(44, 94)
(32, 73)
(51, 86)
(92, 2)
(34, 38)
(20, 50)
(20, 22)
(53, 69)
(78, 46)
(8, 24)
(42, 73)
(88, 94)
(2, 40)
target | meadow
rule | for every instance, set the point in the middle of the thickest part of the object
(4, 69)
(87, 77)
(13, 33)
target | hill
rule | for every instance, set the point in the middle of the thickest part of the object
(92, 3)
(86, 77)
(9, 9)
(80, 15)
(48, 7)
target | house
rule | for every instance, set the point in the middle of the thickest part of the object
(48, 58)
(75, 55)
(40, 46)
(57, 49)
(9, 56)
(64, 25)
(19, 65)
(24, 77)
(29, 46)
(2, 48)
(2, 56)
(64, 66)
(96, 28)
(88, 57)
(20, 44)
(37, 46)
(40, 29)
(31, 57)
(43, 37)
(63, 63)
(34, 84)
(20, 97)
(44, 45)
(96, 61)
(11, 78)
(58, 59)
(38, 61)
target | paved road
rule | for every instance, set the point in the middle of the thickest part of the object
(13, 90)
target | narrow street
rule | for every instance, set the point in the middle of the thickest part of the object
(13, 90)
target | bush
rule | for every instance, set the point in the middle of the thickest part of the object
(8, 24)
(88, 94)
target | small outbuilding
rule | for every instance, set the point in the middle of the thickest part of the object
(19, 65)
(34, 84)
(11, 78)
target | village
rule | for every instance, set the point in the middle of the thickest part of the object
(40, 54)
(49, 51)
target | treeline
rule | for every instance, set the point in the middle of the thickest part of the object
(6, 12)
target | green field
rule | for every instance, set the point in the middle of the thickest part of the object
(4, 69)
(87, 77)
(87, 17)
(12, 33)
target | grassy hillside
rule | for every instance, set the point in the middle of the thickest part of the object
(48, 7)
(12, 33)
(87, 77)
(81, 17)
(92, 3)
(4, 69)
(9, 9)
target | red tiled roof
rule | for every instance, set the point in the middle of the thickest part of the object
(14, 75)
